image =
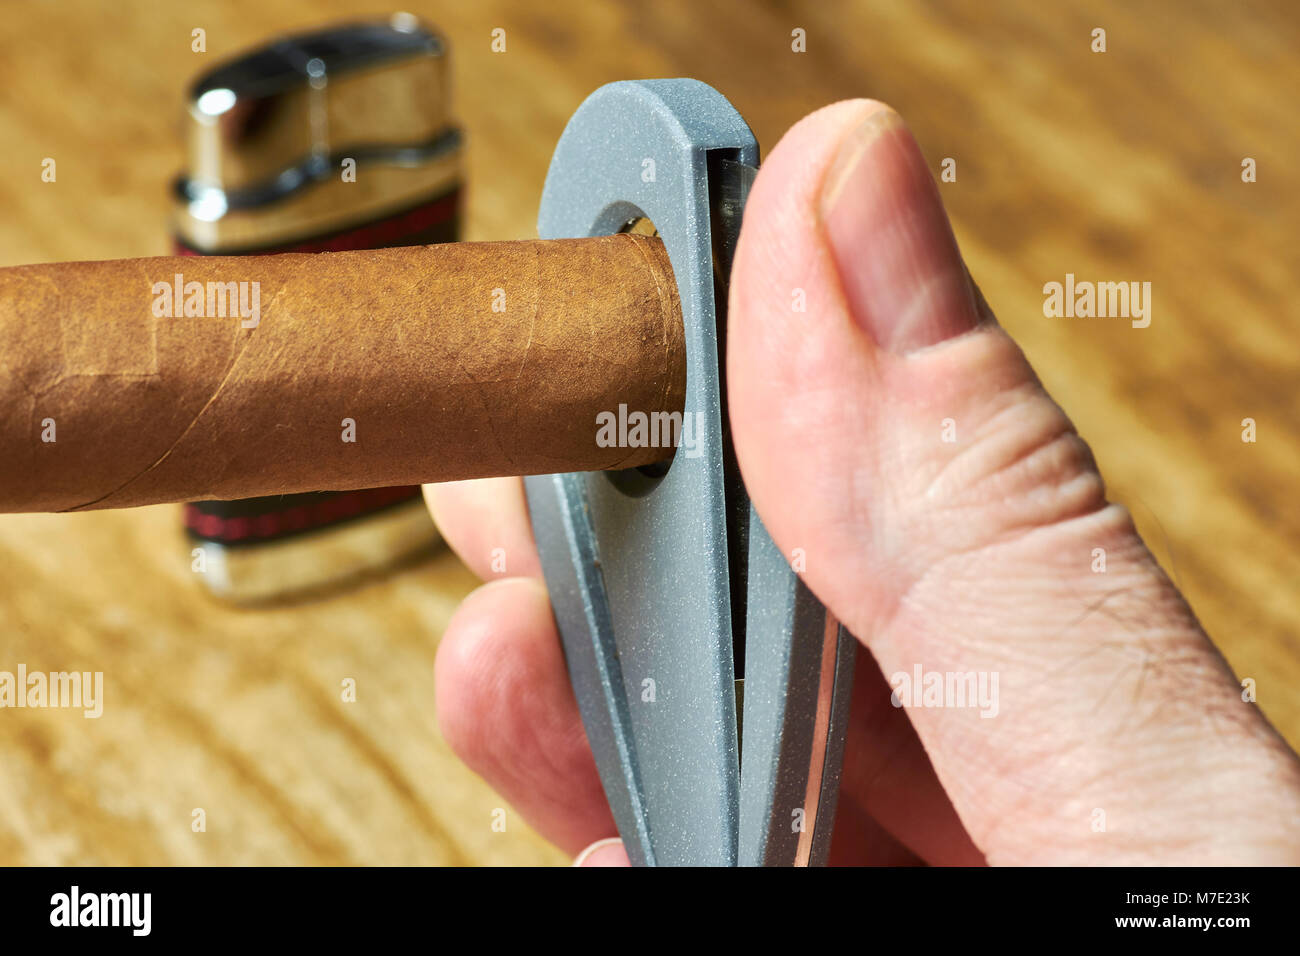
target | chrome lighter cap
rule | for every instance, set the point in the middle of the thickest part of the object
(268, 133)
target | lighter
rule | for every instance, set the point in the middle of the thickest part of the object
(336, 139)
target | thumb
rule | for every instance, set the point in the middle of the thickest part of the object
(947, 512)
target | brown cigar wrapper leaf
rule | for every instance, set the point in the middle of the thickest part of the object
(404, 342)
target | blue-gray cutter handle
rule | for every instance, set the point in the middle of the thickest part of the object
(663, 584)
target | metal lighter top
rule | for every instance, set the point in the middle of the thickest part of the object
(271, 136)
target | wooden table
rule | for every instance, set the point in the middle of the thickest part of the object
(1123, 165)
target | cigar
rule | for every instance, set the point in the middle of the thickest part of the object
(139, 381)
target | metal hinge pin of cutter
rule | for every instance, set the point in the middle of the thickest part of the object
(669, 594)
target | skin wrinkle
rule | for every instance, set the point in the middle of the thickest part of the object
(1054, 425)
(1029, 806)
(1032, 836)
(944, 573)
(1151, 662)
(1086, 499)
(991, 421)
(1112, 519)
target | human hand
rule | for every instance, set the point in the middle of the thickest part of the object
(974, 554)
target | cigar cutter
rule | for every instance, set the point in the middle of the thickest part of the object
(713, 685)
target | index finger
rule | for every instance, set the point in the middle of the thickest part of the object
(485, 521)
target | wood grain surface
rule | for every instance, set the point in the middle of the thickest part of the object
(1123, 165)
